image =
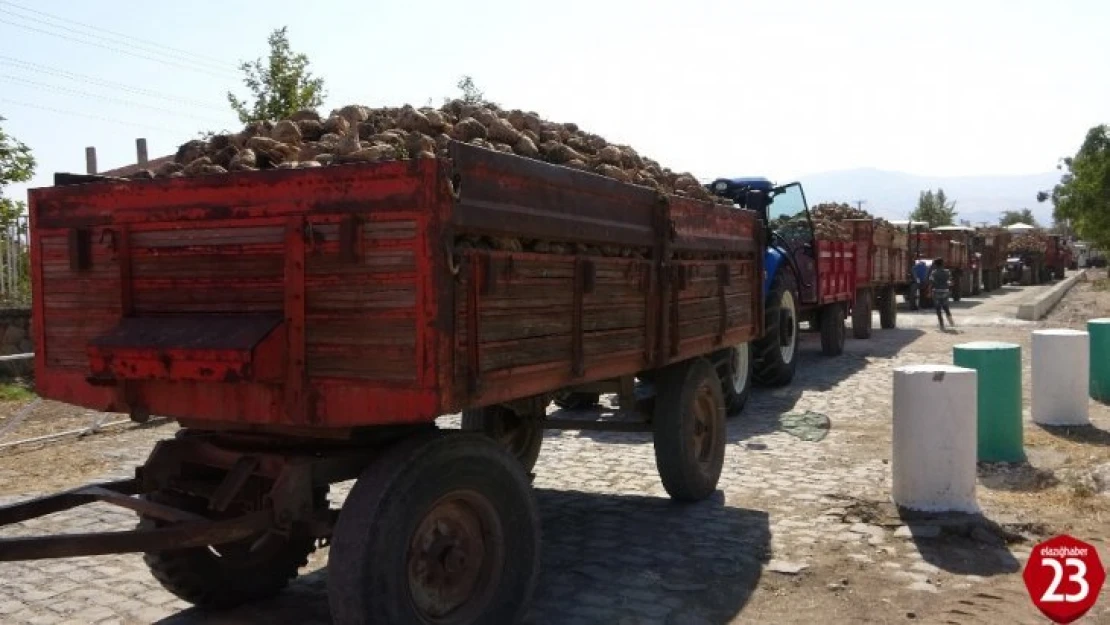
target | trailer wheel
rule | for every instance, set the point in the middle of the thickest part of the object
(957, 288)
(225, 576)
(439, 529)
(521, 435)
(888, 310)
(861, 314)
(832, 330)
(690, 430)
(577, 401)
(913, 296)
(735, 375)
(776, 352)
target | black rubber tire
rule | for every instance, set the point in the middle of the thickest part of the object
(770, 369)
(687, 473)
(861, 314)
(521, 435)
(368, 566)
(913, 296)
(957, 288)
(832, 330)
(577, 401)
(888, 309)
(200, 577)
(735, 400)
(976, 284)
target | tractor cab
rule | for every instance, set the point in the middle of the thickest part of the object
(789, 228)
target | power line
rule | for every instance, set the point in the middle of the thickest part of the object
(109, 40)
(121, 51)
(16, 63)
(58, 18)
(76, 114)
(87, 94)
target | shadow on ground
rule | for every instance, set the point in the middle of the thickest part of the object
(963, 544)
(1086, 434)
(762, 414)
(1016, 477)
(604, 557)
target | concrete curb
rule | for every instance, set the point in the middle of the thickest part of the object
(1033, 311)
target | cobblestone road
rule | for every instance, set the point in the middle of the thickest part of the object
(617, 551)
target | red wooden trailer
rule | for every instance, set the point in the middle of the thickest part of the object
(307, 327)
(881, 270)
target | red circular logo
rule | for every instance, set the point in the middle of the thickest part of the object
(1064, 576)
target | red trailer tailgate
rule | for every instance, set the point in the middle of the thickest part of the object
(836, 266)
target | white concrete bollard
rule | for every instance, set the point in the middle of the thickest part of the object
(1061, 377)
(935, 438)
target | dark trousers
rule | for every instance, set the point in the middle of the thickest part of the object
(940, 300)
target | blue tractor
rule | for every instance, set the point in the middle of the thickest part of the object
(791, 284)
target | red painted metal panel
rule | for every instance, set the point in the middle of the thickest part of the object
(836, 268)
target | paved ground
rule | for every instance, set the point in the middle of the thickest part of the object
(800, 531)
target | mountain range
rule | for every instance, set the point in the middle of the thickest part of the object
(893, 194)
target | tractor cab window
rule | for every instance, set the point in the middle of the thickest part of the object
(788, 215)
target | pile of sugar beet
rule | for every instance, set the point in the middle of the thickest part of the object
(360, 134)
(357, 134)
(829, 222)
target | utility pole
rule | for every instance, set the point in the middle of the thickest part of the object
(860, 203)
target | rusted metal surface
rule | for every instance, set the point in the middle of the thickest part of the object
(179, 536)
(504, 195)
(42, 506)
(379, 320)
(456, 558)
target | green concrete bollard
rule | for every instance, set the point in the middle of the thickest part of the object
(999, 398)
(1099, 329)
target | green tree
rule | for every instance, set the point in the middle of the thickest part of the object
(1082, 197)
(470, 93)
(934, 209)
(17, 164)
(1023, 216)
(281, 84)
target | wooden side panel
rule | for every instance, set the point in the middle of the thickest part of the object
(714, 306)
(76, 305)
(208, 268)
(516, 320)
(361, 311)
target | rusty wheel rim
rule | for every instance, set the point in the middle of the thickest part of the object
(705, 426)
(455, 558)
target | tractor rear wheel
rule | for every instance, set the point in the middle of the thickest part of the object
(776, 352)
(735, 375)
(440, 529)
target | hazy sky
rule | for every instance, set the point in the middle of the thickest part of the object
(776, 88)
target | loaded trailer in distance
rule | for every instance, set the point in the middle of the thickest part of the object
(811, 278)
(307, 326)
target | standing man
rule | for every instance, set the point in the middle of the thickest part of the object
(940, 278)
